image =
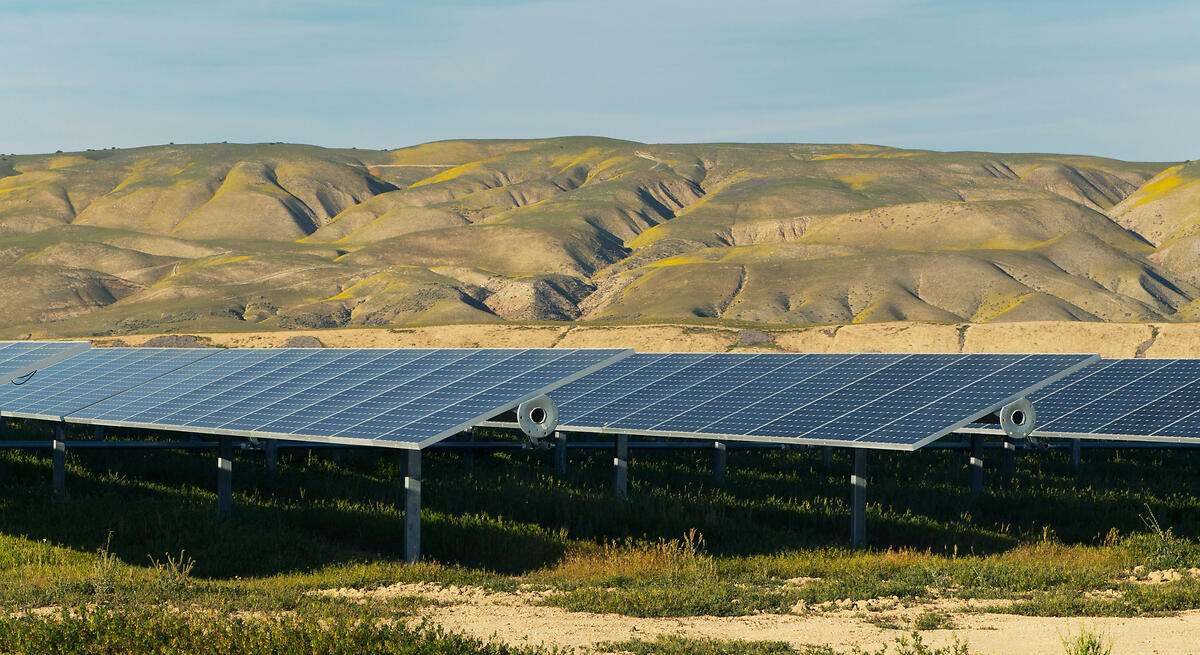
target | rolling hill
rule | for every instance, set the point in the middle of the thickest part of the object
(229, 237)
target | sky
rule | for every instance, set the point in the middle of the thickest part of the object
(1099, 77)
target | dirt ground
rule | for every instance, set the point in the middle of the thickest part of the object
(1106, 339)
(519, 618)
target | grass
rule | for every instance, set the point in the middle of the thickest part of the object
(1086, 643)
(106, 631)
(137, 533)
(675, 645)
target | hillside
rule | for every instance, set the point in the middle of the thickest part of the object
(225, 237)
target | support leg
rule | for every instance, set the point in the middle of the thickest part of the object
(412, 507)
(720, 462)
(827, 456)
(1076, 455)
(225, 478)
(560, 454)
(271, 456)
(1009, 463)
(3, 433)
(469, 453)
(858, 500)
(976, 464)
(59, 455)
(621, 468)
(98, 433)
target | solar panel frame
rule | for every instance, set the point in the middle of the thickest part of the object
(1103, 433)
(569, 425)
(606, 357)
(16, 361)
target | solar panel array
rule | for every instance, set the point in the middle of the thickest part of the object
(896, 402)
(395, 398)
(1126, 399)
(20, 358)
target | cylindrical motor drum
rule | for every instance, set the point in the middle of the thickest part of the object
(1018, 419)
(538, 418)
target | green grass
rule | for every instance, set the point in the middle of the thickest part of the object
(106, 631)
(674, 645)
(1086, 643)
(138, 531)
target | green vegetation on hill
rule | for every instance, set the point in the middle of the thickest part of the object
(277, 236)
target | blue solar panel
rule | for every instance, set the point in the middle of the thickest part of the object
(1132, 399)
(869, 400)
(20, 358)
(398, 398)
(91, 377)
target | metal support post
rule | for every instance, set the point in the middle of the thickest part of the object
(621, 468)
(271, 456)
(560, 454)
(412, 507)
(976, 464)
(59, 458)
(858, 500)
(720, 461)
(1076, 455)
(224, 478)
(1009, 463)
(469, 453)
(827, 456)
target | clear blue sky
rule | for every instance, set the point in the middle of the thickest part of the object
(1105, 78)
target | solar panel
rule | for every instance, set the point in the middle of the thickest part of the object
(392, 398)
(1122, 399)
(20, 358)
(899, 402)
(90, 377)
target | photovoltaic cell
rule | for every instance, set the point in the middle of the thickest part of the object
(91, 377)
(868, 400)
(1154, 400)
(393, 398)
(21, 358)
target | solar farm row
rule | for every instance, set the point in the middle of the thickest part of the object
(899, 402)
(412, 398)
(393, 398)
(1122, 399)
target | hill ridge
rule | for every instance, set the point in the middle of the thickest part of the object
(283, 236)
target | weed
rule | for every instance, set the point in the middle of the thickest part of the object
(914, 645)
(106, 574)
(674, 645)
(1085, 643)
(931, 620)
(172, 576)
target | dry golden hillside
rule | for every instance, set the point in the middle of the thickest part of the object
(246, 238)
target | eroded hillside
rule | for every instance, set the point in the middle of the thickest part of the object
(275, 236)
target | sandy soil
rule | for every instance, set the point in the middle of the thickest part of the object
(1107, 339)
(518, 618)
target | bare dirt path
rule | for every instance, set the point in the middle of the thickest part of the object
(1106, 339)
(519, 619)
